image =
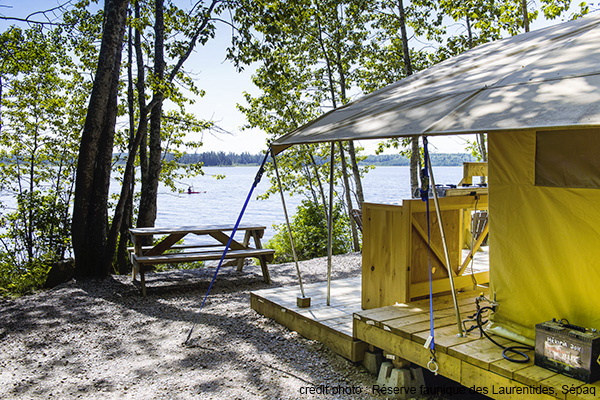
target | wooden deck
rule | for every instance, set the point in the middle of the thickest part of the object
(402, 329)
(331, 325)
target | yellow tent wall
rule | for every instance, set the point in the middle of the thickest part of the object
(544, 241)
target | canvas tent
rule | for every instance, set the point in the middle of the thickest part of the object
(538, 96)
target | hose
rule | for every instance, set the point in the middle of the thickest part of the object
(518, 350)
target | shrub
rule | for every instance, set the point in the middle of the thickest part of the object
(309, 229)
(17, 280)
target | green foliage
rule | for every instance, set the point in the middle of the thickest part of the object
(475, 149)
(18, 280)
(309, 230)
(307, 53)
(42, 116)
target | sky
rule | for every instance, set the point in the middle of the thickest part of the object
(224, 88)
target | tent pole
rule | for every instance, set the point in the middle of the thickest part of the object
(287, 222)
(330, 224)
(446, 253)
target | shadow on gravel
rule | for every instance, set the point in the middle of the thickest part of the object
(79, 329)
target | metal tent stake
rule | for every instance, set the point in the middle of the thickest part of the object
(446, 253)
(302, 302)
(330, 224)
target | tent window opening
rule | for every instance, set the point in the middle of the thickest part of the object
(568, 159)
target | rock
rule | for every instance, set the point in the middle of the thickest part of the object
(60, 272)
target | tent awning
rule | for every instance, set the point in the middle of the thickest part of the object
(546, 79)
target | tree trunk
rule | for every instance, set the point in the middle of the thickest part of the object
(356, 172)
(122, 254)
(480, 136)
(90, 208)
(482, 147)
(414, 164)
(319, 182)
(405, 50)
(351, 149)
(347, 191)
(123, 208)
(414, 153)
(148, 206)
(122, 263)
(469, 32)
(525, 15)
(313, 193)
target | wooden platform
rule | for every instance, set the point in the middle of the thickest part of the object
(476, 362)
(402, 329)
(331, 325)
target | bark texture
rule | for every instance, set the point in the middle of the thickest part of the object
(90, 208)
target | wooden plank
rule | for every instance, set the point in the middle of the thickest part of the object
(584, 392)
(405, 348)
(470, 191)
(532, 375)
(481, 352)
(245, 242)
(508, 368)
(476, 247)
(343, 325)
(343, 291)
(445, 337)
(341, 343)
(420, 306)
(471, 169)
(195, 229)
(190, 257)
(454, 203)
(557, 383)
(288, 300)
(499, 387)
(322, 313)
(180, 246)
(419, 247)
(441, 258)
(384, 267)
(408, 327)
(224, 239)
(443, 285)
(390, 312)
(164, 244)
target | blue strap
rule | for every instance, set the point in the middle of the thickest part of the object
(425, 198)
(257, 179)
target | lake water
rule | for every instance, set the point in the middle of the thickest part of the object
(220, 201)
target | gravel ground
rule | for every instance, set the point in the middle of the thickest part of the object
(101, 339)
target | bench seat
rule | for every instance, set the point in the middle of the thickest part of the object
(143, 255)
(268, 254)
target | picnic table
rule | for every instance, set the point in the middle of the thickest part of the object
(158, 253)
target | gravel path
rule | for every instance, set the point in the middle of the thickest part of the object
(100, 339)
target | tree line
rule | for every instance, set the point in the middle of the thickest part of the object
(91, 93)
(222, 159)
(437, 159)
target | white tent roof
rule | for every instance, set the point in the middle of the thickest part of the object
(546, 79)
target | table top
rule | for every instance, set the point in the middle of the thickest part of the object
(195, 229)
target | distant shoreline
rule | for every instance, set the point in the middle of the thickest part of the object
(222, 159)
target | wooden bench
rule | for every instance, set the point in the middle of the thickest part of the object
(158, 253)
